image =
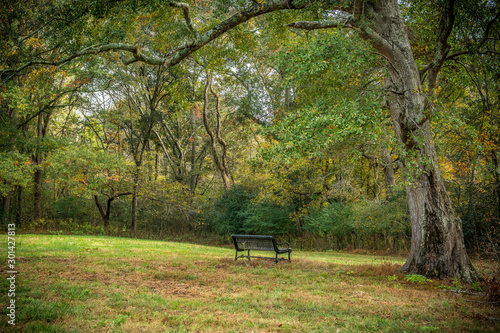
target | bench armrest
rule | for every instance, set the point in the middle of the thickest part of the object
(287, 245)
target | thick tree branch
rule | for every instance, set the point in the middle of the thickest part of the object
(379, 43)
(94, 49)
(258, 9)
(314, 25)
(177, 54)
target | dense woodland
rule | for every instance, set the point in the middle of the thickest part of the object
(165, 119)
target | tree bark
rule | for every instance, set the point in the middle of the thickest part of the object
(437, 246)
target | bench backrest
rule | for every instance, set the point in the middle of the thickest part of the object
(254, 242)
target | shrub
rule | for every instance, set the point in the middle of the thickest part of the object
(238, 211)
(333, 219)
(268, 218)
(228, 214)
(71, 207)
(372, 224)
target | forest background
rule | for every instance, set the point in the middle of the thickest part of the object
(272, 128)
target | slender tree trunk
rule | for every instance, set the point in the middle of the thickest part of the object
(37, 176)
(6, 209)
(20, 208)
(157, 165)
(437, 246)
(134, 202)
(288, 99)
(37, 194)
(108, 211)
(388, 168)
(389, 172)
(104, 214)
(134, 211)
(192, 169)
(496, 174)
(220, 161)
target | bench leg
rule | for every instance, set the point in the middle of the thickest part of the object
(248, 254)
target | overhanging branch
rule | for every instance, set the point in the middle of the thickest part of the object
(177, 54)
(94, 49)
(327, 24)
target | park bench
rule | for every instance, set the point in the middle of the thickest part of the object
(259, 243)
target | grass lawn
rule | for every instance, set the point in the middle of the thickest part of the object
(105, 284)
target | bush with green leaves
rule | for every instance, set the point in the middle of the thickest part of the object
(73, 207)
(265, 218)
(388, 217)
(333, 219)
(228, 214)
(238, 211)
(362, 224)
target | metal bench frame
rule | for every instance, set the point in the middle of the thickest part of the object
(259, 243)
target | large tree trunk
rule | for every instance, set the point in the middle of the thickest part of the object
(437, 246)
